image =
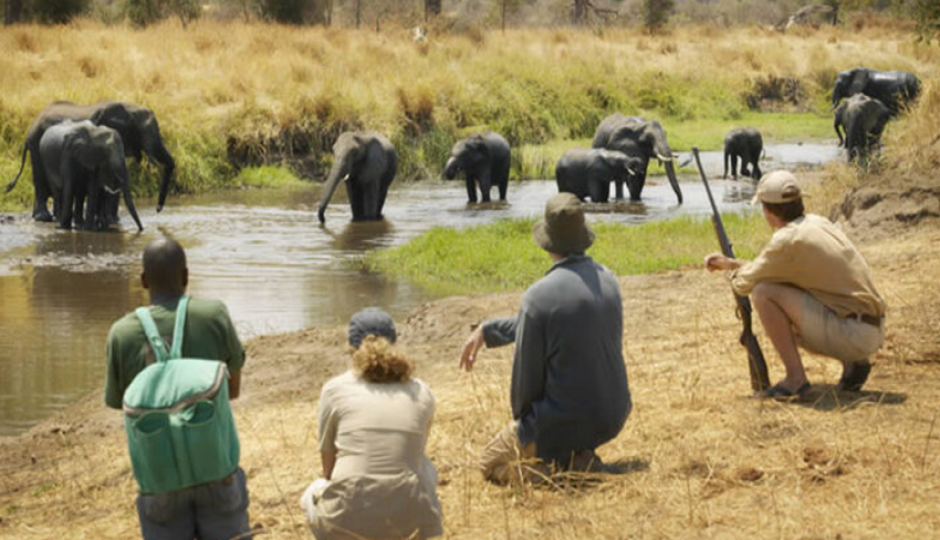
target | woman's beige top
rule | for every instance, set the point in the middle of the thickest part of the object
(383, 485)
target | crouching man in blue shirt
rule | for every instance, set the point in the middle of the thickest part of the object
(569, 390)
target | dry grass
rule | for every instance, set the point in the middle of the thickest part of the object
(251, 93)
(701, 459)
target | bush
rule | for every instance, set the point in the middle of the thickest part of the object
(58, 11)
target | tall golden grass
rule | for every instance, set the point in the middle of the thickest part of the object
(250, 93)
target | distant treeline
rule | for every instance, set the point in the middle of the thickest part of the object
(463, 15)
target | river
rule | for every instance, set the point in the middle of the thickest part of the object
(265, 255)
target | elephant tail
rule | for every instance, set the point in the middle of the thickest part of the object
(12, 184)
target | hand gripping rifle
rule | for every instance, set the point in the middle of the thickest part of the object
(756, 364)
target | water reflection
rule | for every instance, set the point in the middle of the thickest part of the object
(360, 236)
(55, 314)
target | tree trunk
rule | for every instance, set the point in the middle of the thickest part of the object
(579, 11)
(358, 13)
(13, 12)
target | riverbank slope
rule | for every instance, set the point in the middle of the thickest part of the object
(700, 458)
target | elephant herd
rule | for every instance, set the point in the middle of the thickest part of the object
(871, 99)
(78, 154)
(622, 149)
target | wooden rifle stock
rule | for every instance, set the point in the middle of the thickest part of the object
(756, 364)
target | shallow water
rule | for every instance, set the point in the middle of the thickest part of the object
(265, 255)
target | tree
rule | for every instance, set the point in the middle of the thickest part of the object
(431, 7)
(13, 12)
(927, 13)
(582, 9)
(656, 13)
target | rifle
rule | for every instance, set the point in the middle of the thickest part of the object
(756, 364)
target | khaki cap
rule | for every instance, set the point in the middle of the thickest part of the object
(777, 187)
(563, 229)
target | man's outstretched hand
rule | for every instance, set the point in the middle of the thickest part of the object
(473, 344)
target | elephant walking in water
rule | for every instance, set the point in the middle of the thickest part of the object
(863, 119)
(136, 125)
(367, 162)
(746, 144)
(641, 139)
(894, 89)
(589, 172)
(79, 160)
(485, 160)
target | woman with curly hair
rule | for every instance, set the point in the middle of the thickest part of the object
(374, 422)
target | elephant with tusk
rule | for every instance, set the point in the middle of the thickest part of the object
(79, 160)
(641, 139)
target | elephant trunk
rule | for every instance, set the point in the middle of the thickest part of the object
(162, 156)
(129, 201)
(338, 173)
(450, 170)
(673, 181)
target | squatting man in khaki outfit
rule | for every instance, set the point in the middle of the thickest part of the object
(569, 391)
(811, 287)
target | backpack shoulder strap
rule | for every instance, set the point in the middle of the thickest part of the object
(153, 335)
(176, 350)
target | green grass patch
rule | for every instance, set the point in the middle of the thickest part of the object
(502, 256)
(267, 176)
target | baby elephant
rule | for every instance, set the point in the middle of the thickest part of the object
(484, 159)
(863, 119)
(747, 144)
(589, 172)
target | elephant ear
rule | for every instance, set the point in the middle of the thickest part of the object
(114, 116)
(479, 146)
(858, 82)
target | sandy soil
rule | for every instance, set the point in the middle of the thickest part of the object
(701, 459)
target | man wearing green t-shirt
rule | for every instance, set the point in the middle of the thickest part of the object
(218, 509)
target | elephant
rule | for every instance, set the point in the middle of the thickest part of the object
(895, 89)
(136, 125)
(588, 172)
(637, 137)
(484, 159)
(863, 119)
(747, 144)
(367, 161)
(81, 159)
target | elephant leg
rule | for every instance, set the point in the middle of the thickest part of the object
(370, 202)
(354, 193)
(618, 189)
(502, 184)
(78, 212)
(635, 185)
(93, 209)
(599, 190)
(471, 188)
(734, 166)
(41, 189)
(65, 205)
(485, 186)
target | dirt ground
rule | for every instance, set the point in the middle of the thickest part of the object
(700, 458)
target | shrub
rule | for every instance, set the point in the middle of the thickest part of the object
(58, 11)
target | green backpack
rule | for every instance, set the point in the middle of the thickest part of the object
(179, 424)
